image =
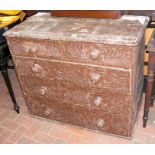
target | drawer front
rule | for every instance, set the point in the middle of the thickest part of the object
(45, 86)
(75, 75)
(35, 48)
(80, 116)
(99, 54)
(93, 53)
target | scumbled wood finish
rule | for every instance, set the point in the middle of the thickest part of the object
(112, 56)
(94, 83)
(138, 79)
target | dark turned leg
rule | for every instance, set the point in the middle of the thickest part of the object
(8, 84)
(149, 86)
(153, 94)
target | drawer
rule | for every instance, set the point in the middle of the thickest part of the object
(93, 53)
(35, 48)
(83, 76)
(81, 116)
(99, 54)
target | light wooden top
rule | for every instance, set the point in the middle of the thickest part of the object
(108, 31)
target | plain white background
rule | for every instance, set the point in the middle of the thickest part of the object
(78, 4)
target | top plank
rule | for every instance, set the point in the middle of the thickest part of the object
(123, 31)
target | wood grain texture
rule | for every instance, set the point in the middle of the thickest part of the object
(113, 14)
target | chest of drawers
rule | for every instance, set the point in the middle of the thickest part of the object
(84, 72)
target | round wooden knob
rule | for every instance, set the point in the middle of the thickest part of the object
(98, 101)
(32, 50)
(43, 90)
(30, 47)
(94, 54)
(47, 112)
(27, 49)
(36, 68)
(95, 77)
(100, 123)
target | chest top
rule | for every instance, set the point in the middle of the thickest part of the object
(122, 31)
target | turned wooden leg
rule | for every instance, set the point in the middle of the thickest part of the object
(9, 86)
(153, 94)
(148, 94)
(149, 86)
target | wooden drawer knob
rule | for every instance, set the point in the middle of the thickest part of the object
(95, 77)
(30, 48)
(94, 54)
(100, 123)
(47, 112)
(43, 90)
(36, 68)
(98, 101)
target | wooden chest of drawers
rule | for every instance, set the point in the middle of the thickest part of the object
(84, 72)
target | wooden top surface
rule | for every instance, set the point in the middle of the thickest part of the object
(108, 31)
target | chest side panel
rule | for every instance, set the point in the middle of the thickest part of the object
(137, 78)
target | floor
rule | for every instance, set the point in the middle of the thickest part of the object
(23, 128)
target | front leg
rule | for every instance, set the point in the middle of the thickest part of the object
(153, 94)
(149, 86)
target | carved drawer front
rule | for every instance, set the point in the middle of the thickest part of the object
(80, 116)
(35, 48)
(77, 75)
(99, 54)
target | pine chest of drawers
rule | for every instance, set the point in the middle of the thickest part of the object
(84, 72)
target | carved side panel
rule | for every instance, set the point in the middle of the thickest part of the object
(137, 78)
